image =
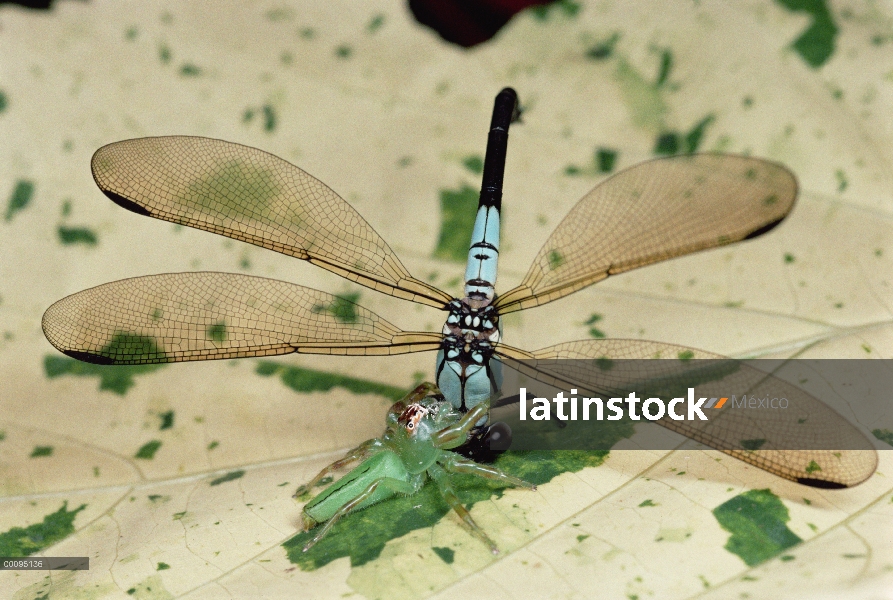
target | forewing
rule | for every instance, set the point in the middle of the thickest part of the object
(654, 211)
(789, 429)
(203, 316)
(250, 195)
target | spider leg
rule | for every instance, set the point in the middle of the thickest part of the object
(359, 453)
(455, 435)
(422, 391)
(442, 479)
(454, 463)
(396, 486)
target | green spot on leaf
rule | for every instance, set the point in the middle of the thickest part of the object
(164, 54)
(666, 65)
(163, 566)
(76, 235)
(605, 159)
(458, 209)
(124, 347)
(667, 143)
(147, 451)
(41, 451)
(842, 181)
(343, 308)
(756, 519)
(686, 355)
(269, 117)
(593, 319)
(376, 23)
(593, 330)
(114, 378)
(224, 187)
(280, 14)
(190, 70)
(672, 142)
(647, 503)
(446, 554)
(231, 476)
(555, 259)
(310, 380)
(167, 420)
(816, 45)
(25, 541)
(789, 258)
(604, 363)
(884, 435)
(812, 467)
(754, 444)
(474, 163)
(566, 8)
(343, 51)
(604, 49)
(20, 198)
(693, 138)
(213, 445)
(217, 332)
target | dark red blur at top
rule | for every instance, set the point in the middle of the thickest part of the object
(468, 23)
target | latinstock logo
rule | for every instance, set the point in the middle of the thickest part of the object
(652, 409)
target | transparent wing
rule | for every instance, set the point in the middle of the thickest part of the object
(252, 196)
(794, 428)
(651, 212)
(203, 316)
